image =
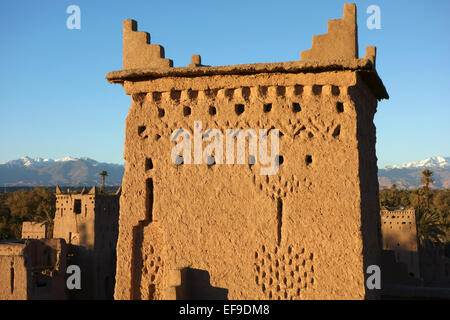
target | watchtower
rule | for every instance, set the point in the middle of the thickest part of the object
(306, 230)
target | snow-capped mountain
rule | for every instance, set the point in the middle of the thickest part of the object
(432, 162)
(27, 162)
(408, 175)
(71, 171)
(67, 171)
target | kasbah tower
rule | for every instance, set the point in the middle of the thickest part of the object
(225, 231)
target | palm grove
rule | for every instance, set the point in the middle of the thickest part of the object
(432, 208)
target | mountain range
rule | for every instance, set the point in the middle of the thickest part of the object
(408, 175)
(67, 171)
(70, 171)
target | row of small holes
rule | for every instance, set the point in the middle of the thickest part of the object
(240, 108)
(281, 91)
(212, 161)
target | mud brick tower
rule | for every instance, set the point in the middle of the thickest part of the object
(88, 222)
(399, 236)
(215, 230)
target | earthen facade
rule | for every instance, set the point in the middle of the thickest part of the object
(222, 231)
(88, 222)
(34, 230)
(33, 269)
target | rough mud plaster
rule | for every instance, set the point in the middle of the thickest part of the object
(307, 232)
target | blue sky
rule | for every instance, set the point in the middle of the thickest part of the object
(55, 101)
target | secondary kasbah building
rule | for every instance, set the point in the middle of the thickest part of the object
(209, 228)
(84, 234)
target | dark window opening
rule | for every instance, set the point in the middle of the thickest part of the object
(335, 91)
(12, 279)
(212, 110)
(298, 89)
(175, 94)
(337, 131)
(239, 108)
(193, 94)
(141, 129)
(246, 93)
(262, 91)
(161, 112)
(148, 164)
(186, 111)
(317, 89)
(281, 91)
(296, 107)
(151, 292)
(340, 107)
(149, 199)
(156, 96)
(267, 107)
(229, 93)
(77, 206)
(280, 160)
(308, 160)
(279, 219)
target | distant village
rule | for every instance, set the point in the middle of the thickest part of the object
(80, 230)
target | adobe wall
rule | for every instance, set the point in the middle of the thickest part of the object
(75, 228)
(14, 274)
(89, 222)
(33, 269)
(34, 230)
(46, 260)
(307, 232)
(399, 232)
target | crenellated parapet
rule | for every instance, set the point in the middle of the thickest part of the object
(341, 41)
(137, 50)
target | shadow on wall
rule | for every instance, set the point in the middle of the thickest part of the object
(195, 285)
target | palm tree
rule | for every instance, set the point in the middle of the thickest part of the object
(430, 230)
(47, 217)
(103, 174)
(394, 191)
(426, 181)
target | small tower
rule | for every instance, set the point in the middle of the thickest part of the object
(89, 221)
(399, 234)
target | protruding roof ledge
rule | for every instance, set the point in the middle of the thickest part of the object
(363, 64)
